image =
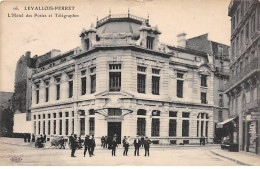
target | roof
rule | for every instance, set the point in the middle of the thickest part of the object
(221, 124)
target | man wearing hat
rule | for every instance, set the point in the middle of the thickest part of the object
(137, 145)
(87, 146)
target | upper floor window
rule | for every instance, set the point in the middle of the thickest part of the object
(93, 79)
(203, 97)
(141, 83)
(114, 112)
(173, 113)
(83, 82)
(114, 77)
(156, 71)
(37, 93)
(141, 112)
(141, 69)
(204, 80)
(156, 113)
(87, 44)
(149, 42)
(155, 85)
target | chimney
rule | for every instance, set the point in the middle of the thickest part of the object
(181, 40)
(28, 54)
(55, 52)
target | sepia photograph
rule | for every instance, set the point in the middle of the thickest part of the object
(129, 82)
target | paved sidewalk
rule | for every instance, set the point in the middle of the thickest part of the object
(242, 158)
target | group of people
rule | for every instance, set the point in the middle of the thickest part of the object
(76, 142)
(28, 137)
(145, 142)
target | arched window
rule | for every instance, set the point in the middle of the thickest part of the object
(156, 113)
(141, 112)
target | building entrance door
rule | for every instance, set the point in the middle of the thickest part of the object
(114, 128)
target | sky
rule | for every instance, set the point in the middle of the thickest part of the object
(42, 34)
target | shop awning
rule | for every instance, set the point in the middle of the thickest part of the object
(221, 124)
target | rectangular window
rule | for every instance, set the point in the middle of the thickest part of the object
(203, 97)
(93, 83)
(172, 127)
(43, 116)
(207, 124)
(198, 123)
(141, 83)
(180, 75)
(156, 71)
(82, 126)
(141, 123)
(92, 126)
(202, 127)
(54, 127)
(141, 68)
(43, 127)
(67, 127)
(185, 114)
(54, 115)
(185, 128)
(58, 92)
(114, 81)
(204, 80)
(173, 113)
(149, 42)
(180, 88)
(70, 89)
(247, 32)
(39, 127)
(49, 116)
(37, 96)
(83, 85)
(60, 114)
(49, 127)
(60, 127)
(155, 127)
(46, 94)
(155, 85)
(34, 116)
(66, 114)
(114, 112)
(39, 116)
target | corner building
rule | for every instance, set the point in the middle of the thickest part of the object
(124, 81)
(243, 87)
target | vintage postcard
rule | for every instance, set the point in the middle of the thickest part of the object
(129, 82)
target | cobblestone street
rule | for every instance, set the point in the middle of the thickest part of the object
(11, 153)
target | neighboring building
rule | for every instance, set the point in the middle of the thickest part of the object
(22, 94)
(243, 87)
(124, 81)
(219, 58)
(6, 114)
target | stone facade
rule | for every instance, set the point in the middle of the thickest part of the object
(125, 82)
(243, 87)
(219, 59)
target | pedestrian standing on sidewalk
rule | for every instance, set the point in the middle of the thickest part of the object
(126, 146)
(113, 146)
(29, 137)
(87, 146)
(33, 138)
(73, 144)
(62, 141)
(147, 143)
(44, 137)
(94, 145)
(137, 145)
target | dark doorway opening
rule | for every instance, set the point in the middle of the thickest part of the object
(114, 128)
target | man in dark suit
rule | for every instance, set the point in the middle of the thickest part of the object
(91, 145)
(147, 143)
(137, 144)
(113, 146)
(94, 144)
(87, 146)
(73, 144)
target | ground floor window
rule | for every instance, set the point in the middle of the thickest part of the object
(54, 127)
(43, 127)
(82, 126)
(185, 128)
(39, 127)
(49, 127)
(67, 127)
(155, 127)
(60, 127)
(141, 126)
(72, 126)
(34, 127)
(92, 126)
(172, 127)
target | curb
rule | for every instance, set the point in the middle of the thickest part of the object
(231, 159)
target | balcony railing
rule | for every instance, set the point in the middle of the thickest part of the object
(222, 71)
(244, 72)
(101, 21)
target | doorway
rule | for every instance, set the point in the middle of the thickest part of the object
(114, 128)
